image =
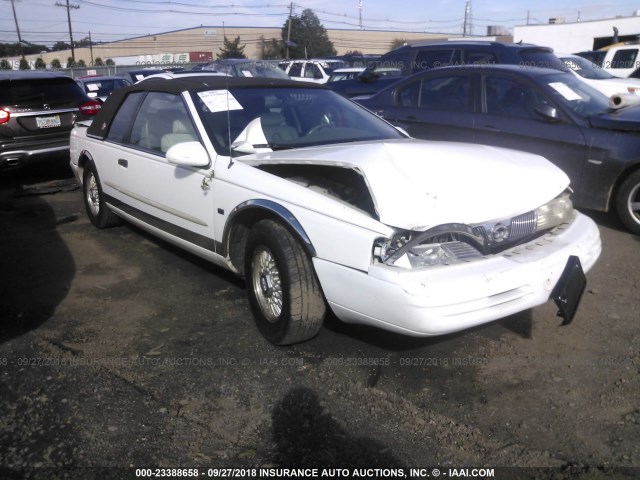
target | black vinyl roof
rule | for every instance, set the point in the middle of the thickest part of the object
(177, 85)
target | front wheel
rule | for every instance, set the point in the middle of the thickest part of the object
(628, 202)
(94, 203)
(283, 289)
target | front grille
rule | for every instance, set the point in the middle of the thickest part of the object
(523, 225)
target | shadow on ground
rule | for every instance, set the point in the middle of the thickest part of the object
(37, 267)
(307, 436)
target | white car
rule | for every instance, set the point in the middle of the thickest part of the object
(598, 78)
(319, 204)
(315, 71)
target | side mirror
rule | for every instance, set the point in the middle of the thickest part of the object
(368, 75)
(191, 154)
(548, 113)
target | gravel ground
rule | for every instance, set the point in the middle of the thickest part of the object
(120, 351)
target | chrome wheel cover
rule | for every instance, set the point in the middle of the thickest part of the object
(93, 195)
(267, 284)
(633, 202)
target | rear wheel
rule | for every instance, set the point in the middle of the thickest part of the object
(94, 203)
(628, 202)
(283, 289)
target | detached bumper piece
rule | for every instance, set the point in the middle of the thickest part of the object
(569, 289)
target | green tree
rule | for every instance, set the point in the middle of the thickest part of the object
(59, 45)
(308, 36)
(5, 64)
(81, 63)
(24, 65)
(40, 64)
(55, 63)
(231, 49)
(396, 43)
(70, 62)
(98, 62)
(271, 49)
(109, 62)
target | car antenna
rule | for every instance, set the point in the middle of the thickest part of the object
(226, 81)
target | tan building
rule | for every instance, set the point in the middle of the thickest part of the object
(154, 48)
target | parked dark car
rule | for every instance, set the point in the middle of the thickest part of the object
(410, 59)
(101, 86)
(134, 76)
(241, 67)
(37, 113)
(538, 110)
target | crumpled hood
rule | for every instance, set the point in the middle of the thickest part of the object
(418, 184)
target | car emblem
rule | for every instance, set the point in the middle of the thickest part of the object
(46, 106)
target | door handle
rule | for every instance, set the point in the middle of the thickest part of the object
(123, 163)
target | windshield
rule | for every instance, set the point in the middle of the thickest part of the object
(289, 117)
(577, 95)
(586, 68)
(39, 90)
(251, 69)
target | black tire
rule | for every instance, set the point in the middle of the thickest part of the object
(628, 202)
(97, 210)
(284, 291)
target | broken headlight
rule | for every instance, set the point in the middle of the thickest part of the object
(441, 245)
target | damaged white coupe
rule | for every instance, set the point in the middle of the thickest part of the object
(319, 205)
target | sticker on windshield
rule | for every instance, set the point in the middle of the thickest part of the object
(565, 91)
(219, 100)
(93, 87)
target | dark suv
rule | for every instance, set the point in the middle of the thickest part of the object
(37, 113)
(410, 59)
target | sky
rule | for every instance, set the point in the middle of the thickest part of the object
(45, 22)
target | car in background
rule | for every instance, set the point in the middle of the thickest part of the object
(314, 70)
(538, 110)
(37, 112)
(101, 86)
(240, 67)
(410, 59)
(133, 76)
(348, 73)
(261, 176)
(598, 78)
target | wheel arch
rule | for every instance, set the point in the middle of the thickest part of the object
(84, 158)
(615, 190)
(247, 214)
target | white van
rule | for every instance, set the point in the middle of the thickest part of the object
(316, 71)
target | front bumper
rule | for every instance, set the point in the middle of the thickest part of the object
(445, 299)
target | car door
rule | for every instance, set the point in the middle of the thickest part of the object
(509, 119)
(167, 196)
(435, 107)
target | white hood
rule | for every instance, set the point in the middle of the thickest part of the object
(418, 184)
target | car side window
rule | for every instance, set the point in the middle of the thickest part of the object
(162, 121)
(394, 65)
(512, 98)
(624, 58)
(451, 93)
(409, 96)
(121, 125)
(479, 57)
(295, 70)
(426, 59)
(312, 71)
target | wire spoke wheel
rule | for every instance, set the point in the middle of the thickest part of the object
(283, 289)
(93, 194)
(267, 284)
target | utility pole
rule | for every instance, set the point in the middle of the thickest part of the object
(360, 12)
(467, 27)
(91, 47)
(69, 7)
(289, 28)
(17, 30)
